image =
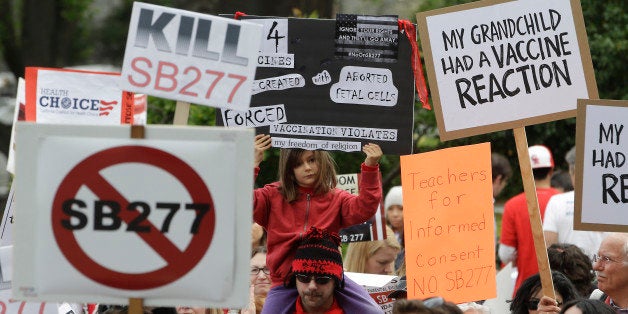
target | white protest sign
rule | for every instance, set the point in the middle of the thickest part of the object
(190, 57)
(496, 65)
(379, 287)
(601, 187)
(114, 217)
(77, 97)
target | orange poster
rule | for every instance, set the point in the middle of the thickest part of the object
(448, 224)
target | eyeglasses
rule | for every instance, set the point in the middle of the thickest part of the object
(533, 304)
(603, 259)
(255, 271)
(319, 280)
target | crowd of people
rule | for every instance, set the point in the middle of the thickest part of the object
(297, 265)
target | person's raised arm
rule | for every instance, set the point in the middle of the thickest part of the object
(262, 143)
(373, 154)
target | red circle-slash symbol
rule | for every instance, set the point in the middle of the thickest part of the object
(178, 263)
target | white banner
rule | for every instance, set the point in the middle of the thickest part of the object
(114, 217)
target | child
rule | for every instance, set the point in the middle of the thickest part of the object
(306, 196)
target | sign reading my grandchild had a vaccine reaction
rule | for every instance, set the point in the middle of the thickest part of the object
(495, 65)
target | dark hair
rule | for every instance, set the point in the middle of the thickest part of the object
(500, 166)
(291, 158)
(405, 306)
(530, 286)
(541, 173)
(589, 306)
(571, 261)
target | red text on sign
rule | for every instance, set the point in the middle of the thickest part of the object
(192, 80)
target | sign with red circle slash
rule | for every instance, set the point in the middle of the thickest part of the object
(87, 173)
(105, 217)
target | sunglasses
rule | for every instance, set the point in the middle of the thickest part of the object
(433, 302)
(319, 280)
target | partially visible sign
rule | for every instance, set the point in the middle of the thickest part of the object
(499, 64)
(448, 224)
(77, 97)
(379, 288)
(121, 217)
(372, 230)
(601, 166)
(191, 57)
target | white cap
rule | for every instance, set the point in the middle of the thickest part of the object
(394, 197)
(540, 157)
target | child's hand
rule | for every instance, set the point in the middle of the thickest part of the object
(373, 154)
(262, 143)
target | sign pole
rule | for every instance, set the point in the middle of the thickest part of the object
(181, 113)
(136, 306)
(533, 211)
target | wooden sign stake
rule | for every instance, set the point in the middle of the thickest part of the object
(533, 211)
(136, 306)
(181, 113)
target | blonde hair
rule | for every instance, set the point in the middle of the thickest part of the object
(359, 252)
(291, 158)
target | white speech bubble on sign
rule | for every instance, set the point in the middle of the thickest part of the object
(365, 86)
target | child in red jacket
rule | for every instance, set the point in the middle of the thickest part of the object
(306, 196)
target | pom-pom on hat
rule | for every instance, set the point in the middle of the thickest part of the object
(318, 254)
(394, 197)
(540, 157)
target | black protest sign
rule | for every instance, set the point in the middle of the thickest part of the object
(320, 85)
(496, 65)
(601, 187)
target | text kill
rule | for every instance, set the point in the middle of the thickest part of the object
(189, 64)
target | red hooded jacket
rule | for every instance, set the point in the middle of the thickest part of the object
(285, 222)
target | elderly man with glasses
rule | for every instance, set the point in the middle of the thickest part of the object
(611, 267)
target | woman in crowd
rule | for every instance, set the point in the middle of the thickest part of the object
(528, 296)
(373, 257)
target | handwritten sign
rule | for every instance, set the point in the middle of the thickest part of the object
(327, 102)
(495, 65)
(191, 57)
(448, 224)
(601, 166)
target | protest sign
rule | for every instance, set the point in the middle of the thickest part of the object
(495, 65)
(372, 230)
(116, 218)
(332, 84)
(77, 97)
(601, 186)
(190, 57)
(379, 287)
(448, 224)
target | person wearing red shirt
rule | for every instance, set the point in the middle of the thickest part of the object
(516, 241)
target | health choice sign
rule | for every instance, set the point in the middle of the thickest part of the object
(601, 201)
(191, 57)
(495, 65)
(115, 217)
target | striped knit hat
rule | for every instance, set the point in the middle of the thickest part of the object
(318, 254)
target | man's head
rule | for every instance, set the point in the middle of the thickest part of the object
(317, 269)
(501, 170)
(611, 265)
(542, 161)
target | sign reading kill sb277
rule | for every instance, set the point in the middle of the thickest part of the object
(190, 57)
